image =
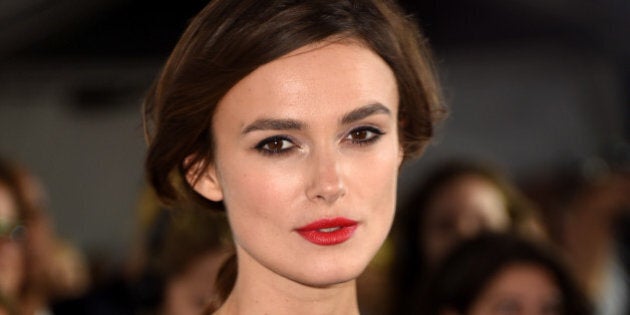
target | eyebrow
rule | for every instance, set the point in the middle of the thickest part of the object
(292, 124)
(274, 124)
(363, 112)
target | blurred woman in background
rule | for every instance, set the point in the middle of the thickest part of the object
(36, 267)
(12, 248)
(502, 274)
(193, 246)
(457, 201)
(587, 205)
(173, 269)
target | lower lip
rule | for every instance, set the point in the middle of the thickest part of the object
(344, 229)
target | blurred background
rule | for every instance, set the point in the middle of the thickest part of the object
(531, 85)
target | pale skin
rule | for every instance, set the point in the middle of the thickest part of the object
(311, 135)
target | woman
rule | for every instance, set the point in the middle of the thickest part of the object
(187, 273)
(589, 216)
(36, 267)
(457, 201)
(12, 248)
(511, 276)
(293, 117)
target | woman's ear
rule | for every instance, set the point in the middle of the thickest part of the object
(205, 180)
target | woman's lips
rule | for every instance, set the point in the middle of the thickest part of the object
(328, 231)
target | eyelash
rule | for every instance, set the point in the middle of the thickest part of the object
(377, 133)
(260, 147)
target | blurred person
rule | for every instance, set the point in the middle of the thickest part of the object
(195, 248)
(588, 206)
(183, 250)
(36, 267)
(12, 263)
(592, 245)
(457, 201)
(12, 255)
(173, 270)
(502, 274)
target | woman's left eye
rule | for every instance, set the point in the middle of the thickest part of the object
(275, 145)
(364, 135)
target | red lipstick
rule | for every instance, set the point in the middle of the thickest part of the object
(328, 231)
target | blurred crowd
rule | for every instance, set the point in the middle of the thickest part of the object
(36, 266)
(469, 241)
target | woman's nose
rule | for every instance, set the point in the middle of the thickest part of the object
(326, 183)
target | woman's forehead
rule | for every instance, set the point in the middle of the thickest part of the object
(334, 74)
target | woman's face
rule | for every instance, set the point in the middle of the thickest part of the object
(518, 290)
(11, 255)
(306, 161)
(460, 210)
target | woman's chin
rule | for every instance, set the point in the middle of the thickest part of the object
(330, 276)
(327, 282)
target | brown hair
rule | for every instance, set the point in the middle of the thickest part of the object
(12, 178)
(410, 266)
(229, 39)
(37, 240)
(453, 286)
(203, 233)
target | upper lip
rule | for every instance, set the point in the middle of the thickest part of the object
(327, 223)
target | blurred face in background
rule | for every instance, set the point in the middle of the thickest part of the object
(520, 289)
(459, 210)
(11, 252)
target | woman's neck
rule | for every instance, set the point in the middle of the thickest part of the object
(258, 290)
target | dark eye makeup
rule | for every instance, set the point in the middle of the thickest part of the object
(364, 135)
(283, 144)
(275, 145)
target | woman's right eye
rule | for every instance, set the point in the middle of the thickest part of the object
(275, 145)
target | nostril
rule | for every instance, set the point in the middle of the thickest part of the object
(329, 193)
(327, 190)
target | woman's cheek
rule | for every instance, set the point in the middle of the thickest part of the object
(262, 188)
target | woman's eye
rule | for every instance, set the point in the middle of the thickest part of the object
(364, 135)
(275, 145)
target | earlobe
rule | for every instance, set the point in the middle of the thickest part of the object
(205, 181)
